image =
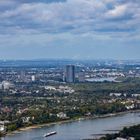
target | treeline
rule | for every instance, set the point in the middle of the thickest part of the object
(128, 86)
(133, 131)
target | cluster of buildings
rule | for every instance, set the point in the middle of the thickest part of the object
(5, 85)
(76, 72)
(61, 89)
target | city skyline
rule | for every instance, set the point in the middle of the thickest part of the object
(76, 29)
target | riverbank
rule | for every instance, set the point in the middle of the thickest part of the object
(71, 120)
(132, 132)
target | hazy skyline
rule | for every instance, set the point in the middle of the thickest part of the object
(77, 29)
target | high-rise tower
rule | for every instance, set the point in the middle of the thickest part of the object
(70, 74)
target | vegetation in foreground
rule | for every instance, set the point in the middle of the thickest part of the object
(89, 99)
(133, 131)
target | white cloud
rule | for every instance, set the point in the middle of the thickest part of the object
(75, 16)
(118, 11)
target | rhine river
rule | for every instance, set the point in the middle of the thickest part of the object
(80, 129)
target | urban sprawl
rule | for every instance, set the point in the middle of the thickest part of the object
(65, 90)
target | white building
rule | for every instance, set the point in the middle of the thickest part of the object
(116, 94)
(129, 138)
(7, 85)
(119, 138)
(33, 78)
(2, 127)
(25, 119)
(62, 115)
(135, 95)
(50, 88)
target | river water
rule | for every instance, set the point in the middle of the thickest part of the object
(79, 130)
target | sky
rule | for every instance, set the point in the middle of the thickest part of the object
(72, 29)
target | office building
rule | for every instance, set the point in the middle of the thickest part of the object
(70, 74)
(81, 76)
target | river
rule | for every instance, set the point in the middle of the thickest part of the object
(80, 129)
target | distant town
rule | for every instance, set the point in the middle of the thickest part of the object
(42, 91)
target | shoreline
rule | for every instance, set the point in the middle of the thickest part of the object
(69, 121)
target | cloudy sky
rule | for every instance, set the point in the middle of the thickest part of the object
(78, 29)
